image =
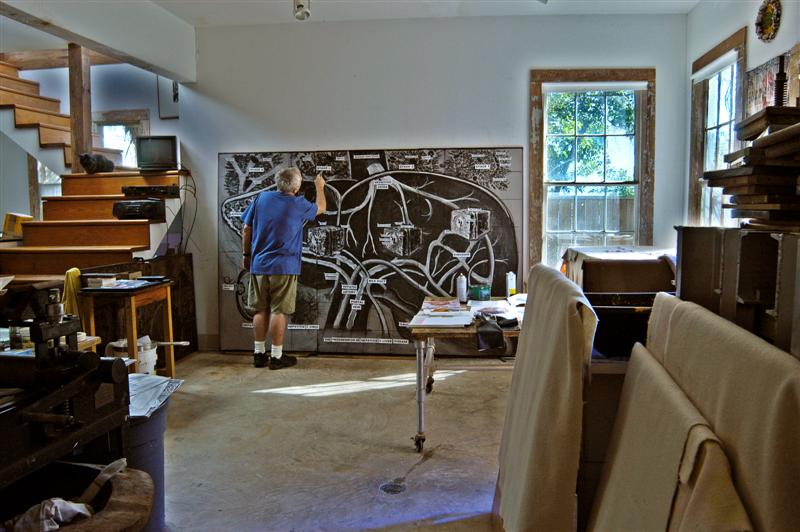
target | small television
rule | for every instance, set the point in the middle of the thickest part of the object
(157, 153)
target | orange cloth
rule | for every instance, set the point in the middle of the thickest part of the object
(540, 446)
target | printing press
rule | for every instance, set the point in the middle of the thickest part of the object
(58, 403)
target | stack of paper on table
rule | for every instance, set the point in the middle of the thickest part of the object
(441, 305)
(499, 308)
(441, 319)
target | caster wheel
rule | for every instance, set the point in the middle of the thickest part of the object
(429, 385)
(419, 441)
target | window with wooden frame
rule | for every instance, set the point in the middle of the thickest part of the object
(717, 104)
(119, 129)
(593, 141)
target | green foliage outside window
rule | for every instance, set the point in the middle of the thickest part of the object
(590, 136)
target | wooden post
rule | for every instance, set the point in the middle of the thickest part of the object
(33, 188)
(80, 103)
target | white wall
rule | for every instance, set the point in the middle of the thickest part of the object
(712, 21)
(113, 87)
(17, 37)
(138, 32)
(13, 178)
(405, 83)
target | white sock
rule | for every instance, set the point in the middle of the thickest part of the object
(260, 347)
(277, 351)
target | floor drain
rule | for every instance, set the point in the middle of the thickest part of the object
(393, 488)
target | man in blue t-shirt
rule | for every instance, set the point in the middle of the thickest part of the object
(272, 244)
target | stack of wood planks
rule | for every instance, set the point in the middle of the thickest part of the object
(763, 181)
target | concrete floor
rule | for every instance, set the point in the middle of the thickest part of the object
(242, 457)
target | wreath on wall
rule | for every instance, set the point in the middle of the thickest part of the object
(768, 20)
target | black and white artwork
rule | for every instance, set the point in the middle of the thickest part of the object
(400, 225)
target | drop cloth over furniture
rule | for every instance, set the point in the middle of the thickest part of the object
(540, 447)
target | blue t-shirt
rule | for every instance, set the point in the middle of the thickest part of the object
(277, 222)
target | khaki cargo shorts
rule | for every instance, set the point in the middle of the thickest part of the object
(274, 292)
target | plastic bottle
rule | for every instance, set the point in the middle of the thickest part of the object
(461, 287)
(511, 284)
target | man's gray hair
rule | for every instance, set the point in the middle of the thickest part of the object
(288, 179)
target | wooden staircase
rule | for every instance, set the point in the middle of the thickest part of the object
(79, 230)
(32, 110)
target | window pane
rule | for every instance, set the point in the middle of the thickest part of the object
(716, 206)
(591, 113)
(590, 207)
(705, 205)
(555, 246)
(711, 150)
(560, 159)
(561, 113)
(621, 107)
(723, 145)
(560, 208)
(119, 137)
(589, 239)
(713, 93)
(620, 157)
(726, 95)
(621, 209)
(590, 159)
(620, 239)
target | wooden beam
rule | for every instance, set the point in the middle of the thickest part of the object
(80, 103)
(58, 58)
(734, 41)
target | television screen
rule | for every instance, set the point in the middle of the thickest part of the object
(157, 153)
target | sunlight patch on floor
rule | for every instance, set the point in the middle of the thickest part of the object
(343, 387)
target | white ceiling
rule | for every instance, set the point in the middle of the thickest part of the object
(201, 13)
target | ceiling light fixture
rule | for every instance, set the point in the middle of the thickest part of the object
(302, 9)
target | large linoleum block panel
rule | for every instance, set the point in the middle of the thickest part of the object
(401, 225)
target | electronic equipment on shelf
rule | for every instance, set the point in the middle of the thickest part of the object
(157, 153)
(158, 191)
(143, 209)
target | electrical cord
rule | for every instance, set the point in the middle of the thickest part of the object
(191, 188)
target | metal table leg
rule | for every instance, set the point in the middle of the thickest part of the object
(430, 348)
(421, 349)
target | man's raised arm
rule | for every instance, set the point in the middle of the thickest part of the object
(319, 183)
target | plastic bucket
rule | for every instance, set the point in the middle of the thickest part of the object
(147, 360)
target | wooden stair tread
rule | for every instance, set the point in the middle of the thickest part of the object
(66, 249)
(33, 279)
(17, 78)
(95, 149)
(37, 96)
(85, 197)
(127, 174)
(37, 110)
(3, 63)
(40, 223)
(55, 126)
